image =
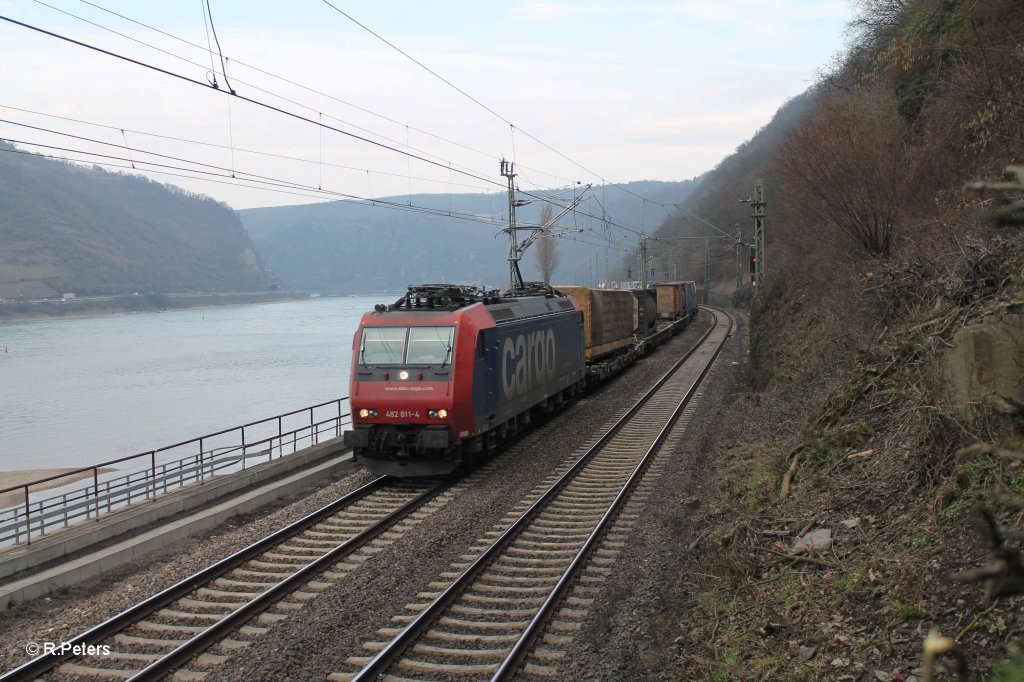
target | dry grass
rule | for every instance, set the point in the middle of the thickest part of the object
(845, 382)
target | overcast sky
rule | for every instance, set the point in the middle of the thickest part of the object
(595, 91)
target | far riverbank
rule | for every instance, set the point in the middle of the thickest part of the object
(135, 303)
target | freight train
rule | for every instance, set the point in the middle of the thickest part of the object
(447, 372)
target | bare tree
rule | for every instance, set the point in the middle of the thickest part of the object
(877, 22)
(546, 247)
(852, 165)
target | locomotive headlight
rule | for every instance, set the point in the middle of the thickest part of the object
(442, 413)
(364, 413)
(403, 375)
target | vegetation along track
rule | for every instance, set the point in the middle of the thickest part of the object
(487, 614)
(269, 580)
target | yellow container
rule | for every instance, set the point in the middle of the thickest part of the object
(671, 299)
(609, 318)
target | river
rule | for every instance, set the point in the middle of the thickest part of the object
(76, 392)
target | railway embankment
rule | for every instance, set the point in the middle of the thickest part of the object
(861, 511)
(60, 560)
(381, 583)
(862, 518)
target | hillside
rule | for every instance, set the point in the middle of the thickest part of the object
(863, 519)
(68, 228)
(350, 246)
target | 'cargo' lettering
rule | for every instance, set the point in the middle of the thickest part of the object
(527, 361)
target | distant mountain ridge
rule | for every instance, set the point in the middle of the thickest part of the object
(71, 228)
(347, 246)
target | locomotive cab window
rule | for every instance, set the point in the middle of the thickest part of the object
(430, 345)
(382, 345)
(407, 345)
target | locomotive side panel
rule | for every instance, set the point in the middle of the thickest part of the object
(526, 362)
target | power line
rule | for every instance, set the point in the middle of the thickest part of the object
(214, 145)
(284, 80)
(284, 112)
(416, 61)
(220, 52)
(481, 104)
(251, 176)
(694, 215)
(258, 181)
(244, 98)
(213, 82)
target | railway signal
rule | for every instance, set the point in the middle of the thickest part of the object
(757, 204)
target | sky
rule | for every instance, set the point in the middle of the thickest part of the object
(572, 92)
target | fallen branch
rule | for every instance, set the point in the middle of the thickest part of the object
(794, 463)
(689, 548)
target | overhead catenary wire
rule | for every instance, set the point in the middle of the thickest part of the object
(215, 145)
(235, 182)
(259, 180)
(511, 125)
(213, 82)
(283, 79)
(551, 199)
(250, 100)
(250, 180)
(220, 52)
(608, 245)
(396, 143)
(697, 217)
(413, 59)
(287, 113)
(481, 104)
(206, 25)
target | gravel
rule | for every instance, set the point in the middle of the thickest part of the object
(64, 614)
(319, 638)
(339, 621)
(635, 628)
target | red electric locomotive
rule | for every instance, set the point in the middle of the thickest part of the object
(447, 371)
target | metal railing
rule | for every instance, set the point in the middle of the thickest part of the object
(164, 469)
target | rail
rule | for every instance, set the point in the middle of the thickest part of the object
(426, 617)
(165, 469)
(44, 663)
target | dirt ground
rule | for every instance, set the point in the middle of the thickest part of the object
(892, 556)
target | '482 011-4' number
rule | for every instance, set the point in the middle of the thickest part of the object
(402, 414)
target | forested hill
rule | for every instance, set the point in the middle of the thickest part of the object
(884, 409)
(347, 246)
(70, 228)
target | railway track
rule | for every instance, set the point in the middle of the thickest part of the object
(267, 581)
(506, 608)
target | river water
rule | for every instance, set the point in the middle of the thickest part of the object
(80, 391)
